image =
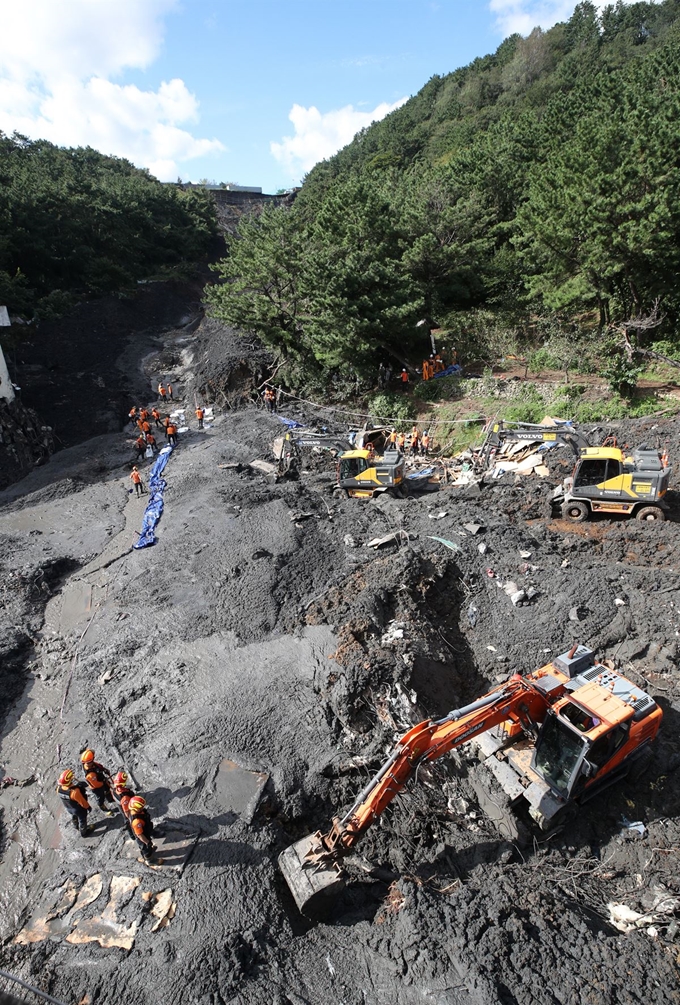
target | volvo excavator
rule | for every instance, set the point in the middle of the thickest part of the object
(554, 737)
(605, 479)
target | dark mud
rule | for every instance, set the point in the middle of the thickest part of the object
(261, 630)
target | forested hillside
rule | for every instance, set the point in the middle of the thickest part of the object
(74, 221)
(529, 199)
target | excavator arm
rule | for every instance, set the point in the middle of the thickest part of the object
(516, 700)
(499, 433)
(311, 866)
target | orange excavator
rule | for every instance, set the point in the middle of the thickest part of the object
(552, 737)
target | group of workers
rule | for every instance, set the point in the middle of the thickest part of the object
(108, 792)
(141, 417)
(434, 365)
(419, 444)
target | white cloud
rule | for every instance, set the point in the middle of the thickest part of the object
(524, 15)
(56, 61)
(319, 135)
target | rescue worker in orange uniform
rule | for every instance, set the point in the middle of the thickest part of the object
(404, 379)
(171, 433)
(270, 399)
(415, 440)
(166, 422)
(162, 392)
(425, 444)
(142, 827)
(426, 369)
(122, 793)
(439, 364)
(401, 442)
(170, 392)
(140, 444)
(99, 780)
(143, 414)
(74, 799)
(199, 415)
(151, 441)
(132, 415)
(393, 438)
(136, 480)
(140, 425)
(156, 415)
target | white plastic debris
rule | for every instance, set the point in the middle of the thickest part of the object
(482, 548)
(492, 648)
(619, 602)
(525, 554)
(438, 516)
(631, 827)
(626, 919)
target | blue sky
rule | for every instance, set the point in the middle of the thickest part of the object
(250, 93)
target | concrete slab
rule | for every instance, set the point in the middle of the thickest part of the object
(238, 790)
(173, 849)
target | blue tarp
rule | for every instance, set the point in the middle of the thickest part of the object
(154, 507)
(450, 371)
(291, 423)
(423, 473)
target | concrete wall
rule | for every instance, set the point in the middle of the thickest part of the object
(6, 389)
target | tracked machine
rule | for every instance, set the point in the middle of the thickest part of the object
(605, 479)
(362, 474)
(553, 738)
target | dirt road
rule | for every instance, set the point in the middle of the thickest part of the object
(249, 670)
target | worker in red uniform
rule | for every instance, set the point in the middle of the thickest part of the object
(171, 433)
(136, 480)
(98, 779)
(74, 799)
(142, 827)
(156, 416)
(199, 415)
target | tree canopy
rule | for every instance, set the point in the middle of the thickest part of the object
(76, 221)
(539, 181)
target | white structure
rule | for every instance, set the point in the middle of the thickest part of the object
(6, 389)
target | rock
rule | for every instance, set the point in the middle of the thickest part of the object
(517, 597)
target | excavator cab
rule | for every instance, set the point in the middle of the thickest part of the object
(362, 475)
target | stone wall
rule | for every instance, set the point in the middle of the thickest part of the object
(24, 441)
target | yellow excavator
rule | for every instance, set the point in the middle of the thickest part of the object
(605, 479)
(362, 474)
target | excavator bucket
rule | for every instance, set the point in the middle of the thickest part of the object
(314, 883)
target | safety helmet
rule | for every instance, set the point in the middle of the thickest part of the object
(87, 756)
(136, 804)
(66, 777)
(121, 778)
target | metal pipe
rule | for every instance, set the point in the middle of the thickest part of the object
(458, 713)
(41, 994)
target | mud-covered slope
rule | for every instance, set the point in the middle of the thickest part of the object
(261, 634)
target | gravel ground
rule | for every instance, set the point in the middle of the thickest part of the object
(252, 640)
